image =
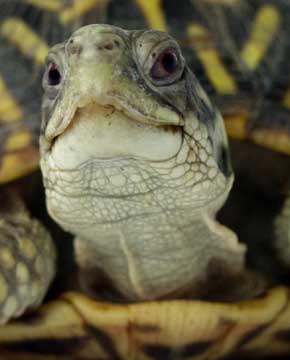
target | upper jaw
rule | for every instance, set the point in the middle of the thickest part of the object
(65, 111)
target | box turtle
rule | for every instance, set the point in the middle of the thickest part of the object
(135, 164)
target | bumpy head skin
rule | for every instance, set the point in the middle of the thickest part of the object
(135, 162)
(27, 259)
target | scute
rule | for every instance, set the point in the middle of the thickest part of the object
(177, 329)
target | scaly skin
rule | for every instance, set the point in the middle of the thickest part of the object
(27, 259)
(135, 163)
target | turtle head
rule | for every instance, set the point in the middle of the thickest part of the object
(136, 82)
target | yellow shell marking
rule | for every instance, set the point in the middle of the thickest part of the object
(18, 140)
(13, 167)
(275, 140)
(68, 13)
(170, 324)
(236, 126)
(224, 2)
(219, 76)
(24, 38)
(9, 109)
(20, 157)
(154, 16)
(51, 5)
(79, 8)
(265, 27)
(185, 322)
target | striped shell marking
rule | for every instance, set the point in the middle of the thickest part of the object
(74, 327)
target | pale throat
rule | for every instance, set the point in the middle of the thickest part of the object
(104, 132)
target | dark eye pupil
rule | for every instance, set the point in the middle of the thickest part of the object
(54, 76)
(169, 62)
(167, 67)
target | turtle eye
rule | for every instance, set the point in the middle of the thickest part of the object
(166, 66)
(53, 75)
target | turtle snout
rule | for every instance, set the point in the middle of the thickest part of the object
(102, 45)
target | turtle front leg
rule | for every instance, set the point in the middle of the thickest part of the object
(27, 259)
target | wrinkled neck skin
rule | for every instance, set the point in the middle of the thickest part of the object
(148, 224)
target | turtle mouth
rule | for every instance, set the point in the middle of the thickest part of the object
(104, 133)
(159, 117)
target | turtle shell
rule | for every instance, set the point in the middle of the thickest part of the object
(233, 48)
(75, 327)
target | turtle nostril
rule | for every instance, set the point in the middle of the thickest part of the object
(74, 47)
(109, 45)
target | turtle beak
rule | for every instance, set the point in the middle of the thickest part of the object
(65, 113)
(105, 84)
